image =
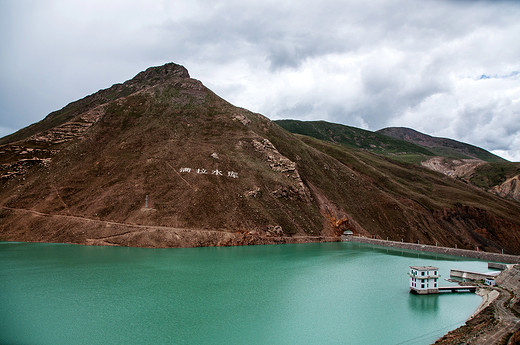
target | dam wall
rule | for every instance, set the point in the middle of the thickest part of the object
(475, 254)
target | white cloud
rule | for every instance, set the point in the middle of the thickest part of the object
(5, 131)
(510, 155)
(474, 110)
(367, 64)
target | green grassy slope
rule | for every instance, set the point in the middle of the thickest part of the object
(397, 149)
(492, 174)
(444, 147)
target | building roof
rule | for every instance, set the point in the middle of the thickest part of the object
(424, 268)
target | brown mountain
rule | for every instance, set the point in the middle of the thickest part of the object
(443, 147)
(161, 161)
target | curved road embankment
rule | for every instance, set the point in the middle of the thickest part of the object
(497, 321)
(475, 254)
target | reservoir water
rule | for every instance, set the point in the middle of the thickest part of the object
(321, 293)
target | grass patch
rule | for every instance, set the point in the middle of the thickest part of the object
(492, 174)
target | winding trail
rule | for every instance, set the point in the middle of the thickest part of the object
(106, 222)
(131, 229)
(508, 322)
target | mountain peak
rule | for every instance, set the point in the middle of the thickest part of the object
(151, 76)
(166, 71)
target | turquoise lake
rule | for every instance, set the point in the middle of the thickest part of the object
(319, 293)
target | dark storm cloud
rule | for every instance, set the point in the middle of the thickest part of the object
(281, 35)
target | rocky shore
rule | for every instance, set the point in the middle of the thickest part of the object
(497, 320)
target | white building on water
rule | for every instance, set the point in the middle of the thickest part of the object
(424, 279)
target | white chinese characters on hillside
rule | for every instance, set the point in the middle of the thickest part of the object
(216, 172)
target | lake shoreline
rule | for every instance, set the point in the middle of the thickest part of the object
(98, 232)
(217, 239)
(497, 318)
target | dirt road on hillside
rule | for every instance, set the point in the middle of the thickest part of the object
(67, 228)
(499, 323)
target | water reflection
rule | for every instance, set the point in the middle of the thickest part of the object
(409, 252)
(423, 303)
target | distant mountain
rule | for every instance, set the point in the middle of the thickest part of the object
(455, 159)
(161, 161)
(359, 138)
(464, 161)
(443, 147)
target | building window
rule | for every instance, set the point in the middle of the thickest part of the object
(422, 273)
(422, 286)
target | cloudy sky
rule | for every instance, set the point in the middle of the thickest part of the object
(448, 68)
